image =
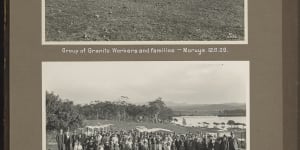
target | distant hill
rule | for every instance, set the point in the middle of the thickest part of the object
(206, 109)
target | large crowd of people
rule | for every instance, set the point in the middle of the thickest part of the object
(134, 140)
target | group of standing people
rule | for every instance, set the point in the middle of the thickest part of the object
(134, 140)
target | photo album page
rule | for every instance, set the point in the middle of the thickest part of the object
(151, 75)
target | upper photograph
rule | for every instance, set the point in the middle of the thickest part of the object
(144, 22)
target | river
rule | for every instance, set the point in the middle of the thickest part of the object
(198, 120)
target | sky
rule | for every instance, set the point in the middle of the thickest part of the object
(176, 82)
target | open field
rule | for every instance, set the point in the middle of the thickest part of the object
(144, 20)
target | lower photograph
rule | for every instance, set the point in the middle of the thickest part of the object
(146, 105)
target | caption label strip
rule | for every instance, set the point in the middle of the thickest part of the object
(136, 51)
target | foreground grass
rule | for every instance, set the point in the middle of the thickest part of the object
(144, 20)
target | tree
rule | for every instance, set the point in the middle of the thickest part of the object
(216, 124)
(135, 111)
(223, 125)
(230, 123)
(156, 107)
(205, 124)
(244, 125)
(166, 114)
(61, 113)
(237, 124)
(121, 107)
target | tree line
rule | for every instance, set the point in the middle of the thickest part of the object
(235, 112)
(63, 113)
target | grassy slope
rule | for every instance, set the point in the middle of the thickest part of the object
(119, 20)
(205, 109)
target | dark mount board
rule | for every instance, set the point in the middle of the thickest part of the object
(291, 73)
(4, 76)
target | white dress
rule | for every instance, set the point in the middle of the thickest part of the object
(77, 147)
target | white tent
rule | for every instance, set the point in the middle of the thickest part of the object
(97, 127)
(144, 129)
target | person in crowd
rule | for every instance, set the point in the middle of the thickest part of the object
(218, 143)
(128, 143)
(233, 144)
(114, 142)
(135, 145)
(74, 137)
(194, 143)
(144, 143)
(68, 141)
(182, 143)
(210, 144)
(186, 144)
(173, 147)
(106, 142)
(158, 143)
(82, 139)
(204, 144)
(60, 139)
(198, 143)
(134, 140)
(190, 143)
(91, 144)
(77, 145)
(99, 138)
(225, 144)
(178, 142)
(101, 146)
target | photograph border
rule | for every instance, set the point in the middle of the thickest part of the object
(248, 126)
(44, 42)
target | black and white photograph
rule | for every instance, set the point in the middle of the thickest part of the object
(144, 22)
(146, 105)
